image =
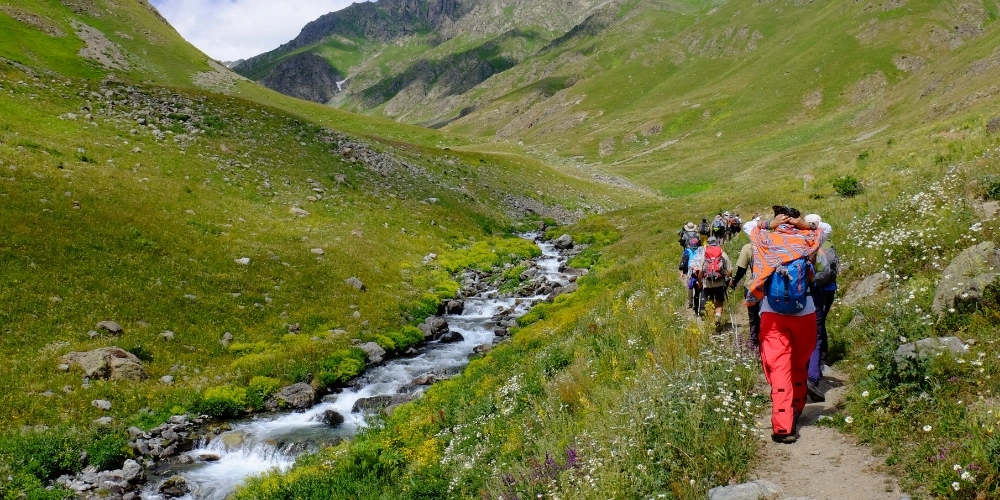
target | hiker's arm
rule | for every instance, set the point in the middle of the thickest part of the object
(740, 273)
(825, 231)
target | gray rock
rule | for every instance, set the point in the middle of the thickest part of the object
(317, 251)
(967, 277)
(425, 379)
(299, 212)
(332, 418)
(433, 327)
(226, 339)
(374, 351)
(431, 257)
(930, 346)
(482, 348)
(756, 490)
(175, 487)
(451, 337)
(131, 471)
(356, 283)
(167, 379)
(564, 242)
(105, 421)
(167, 335)
(529, 273)
(110, 327)
(299, 396)
(111, 363)
(101, 404)
(866, 288)
(454, 306)
(373, 404)
(63, 367)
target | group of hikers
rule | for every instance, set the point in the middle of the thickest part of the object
(788, 275)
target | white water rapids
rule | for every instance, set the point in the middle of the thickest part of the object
(274, 441)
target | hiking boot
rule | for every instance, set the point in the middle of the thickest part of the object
(784, 438)
(813, 390)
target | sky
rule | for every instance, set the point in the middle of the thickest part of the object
(229, 30)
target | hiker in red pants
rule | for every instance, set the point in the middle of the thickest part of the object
(783, 273)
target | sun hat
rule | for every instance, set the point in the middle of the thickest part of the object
(689, 226)
(813, 218)
(712, 240)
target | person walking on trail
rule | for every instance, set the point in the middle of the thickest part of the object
(743, 264)
(703, 230)
(827, 265)
(686, 234)
(714, 275)
(690, 258)
(719, 227)
(783, 274)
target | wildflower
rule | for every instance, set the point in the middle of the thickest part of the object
(871, 367)
(692, 482)
(967, 476)
(927, 428)
(956, 467)
(848, 419)
(955, 486)
(864, 394)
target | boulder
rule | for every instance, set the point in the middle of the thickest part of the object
(105, 421)
(431, 257)
(433, 327)
(317, 251)
(482, 348)
(425, 379)
(374, 351)
(233, 440)
(356, 283)
(930, 346)
(209, 457)
(112, 363)
(167, 335)
(454, 307)
(131, 471)
(332, 418)
(564, 242)
(226, 339)
(756, 490)
(866, 288)
(451, 337)
(167, 379)
(299, 396)
(175, 487)
(529, 273)
(967, 278)
(298, 212)
(110, 327)
(101, 404)
(371, 405)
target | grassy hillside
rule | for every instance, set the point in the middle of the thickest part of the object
(138, 195)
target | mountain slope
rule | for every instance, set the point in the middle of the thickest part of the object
(460, 44)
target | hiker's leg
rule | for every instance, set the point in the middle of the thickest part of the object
(823, 307)
(803, 335)
(753, 313)
(776, 354)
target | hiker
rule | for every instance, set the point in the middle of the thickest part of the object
(782, 248)
(713, 273)
(734, 226)
(686, 234)
(690, 258)
(827, 265)
(703, 231)
(718, 228)
(743, 264)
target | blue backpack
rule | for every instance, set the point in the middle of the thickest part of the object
(689, 253)
(788, 288)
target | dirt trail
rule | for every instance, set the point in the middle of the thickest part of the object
(824, 464)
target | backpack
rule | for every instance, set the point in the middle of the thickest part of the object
(827, 265)
(689, 253)
(718, 224)
(787, 289)
(703, 228)
(714, 267)
(687, 236)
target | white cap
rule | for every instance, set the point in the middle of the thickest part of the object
(813, 218)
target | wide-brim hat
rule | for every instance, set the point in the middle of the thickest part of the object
(712, 240)
(811, 218)
(689, 226)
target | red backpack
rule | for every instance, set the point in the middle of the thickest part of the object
(714, 266)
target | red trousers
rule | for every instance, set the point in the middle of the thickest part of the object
(786, 342)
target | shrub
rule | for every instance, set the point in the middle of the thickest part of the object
(848, 186)
(109, 450)
(384, 341)
(224, 401)
(44, 455)
(992, 189)
(342, 366)
(406, 338)
(259, 389)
